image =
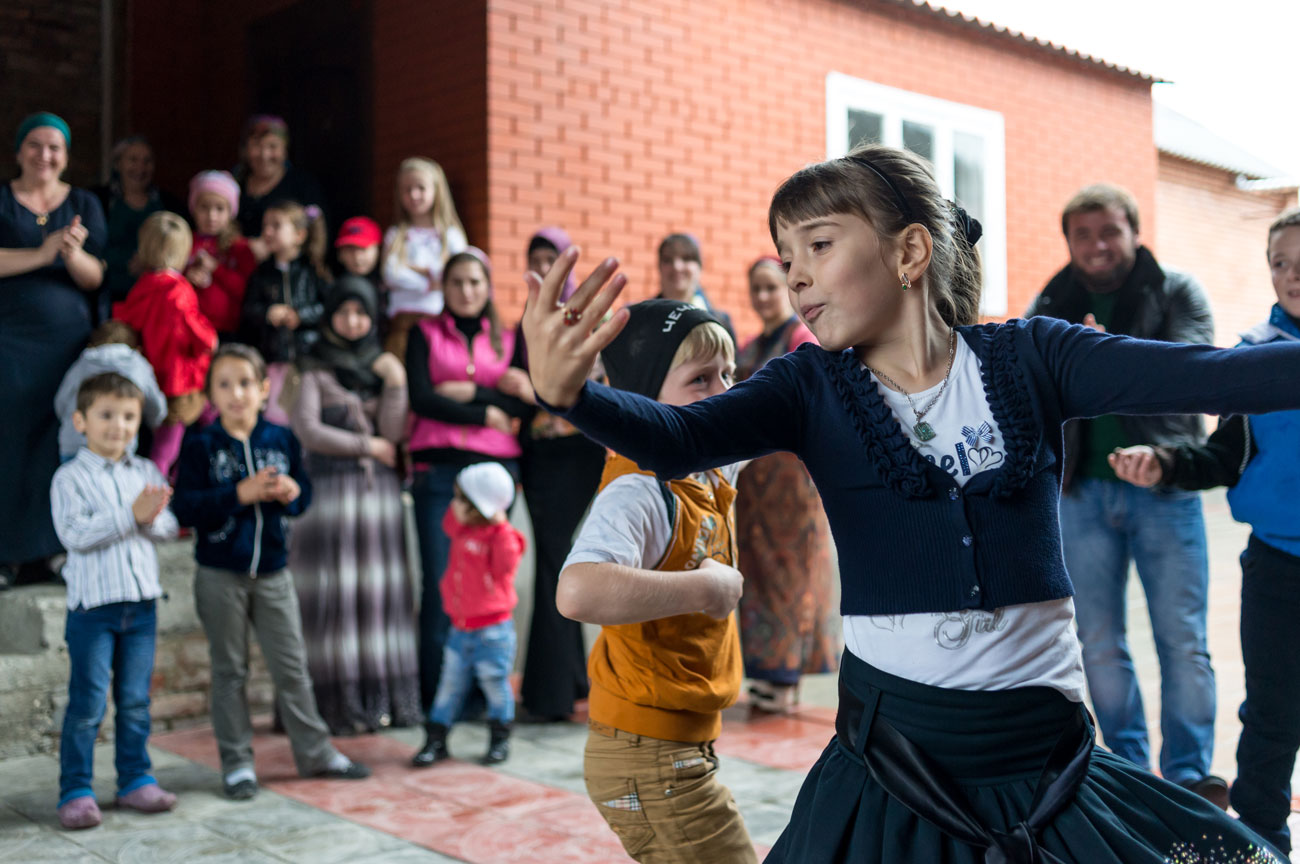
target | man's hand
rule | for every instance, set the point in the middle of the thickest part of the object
(1137, 465)
(723, 589)
(1090, 320)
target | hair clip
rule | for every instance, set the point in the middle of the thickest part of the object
(970, 227)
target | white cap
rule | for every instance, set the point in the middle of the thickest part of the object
(488, 486)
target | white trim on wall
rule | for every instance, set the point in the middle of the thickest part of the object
(845, 93)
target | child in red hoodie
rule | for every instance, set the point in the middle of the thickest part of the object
(175, 336)
(478, 593)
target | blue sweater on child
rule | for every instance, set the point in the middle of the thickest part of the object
(245, 538)
(909, 538)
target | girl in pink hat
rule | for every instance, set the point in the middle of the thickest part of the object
(220, 260)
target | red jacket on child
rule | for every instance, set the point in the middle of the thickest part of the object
(175, 337)
(478, 586)
(224, 297)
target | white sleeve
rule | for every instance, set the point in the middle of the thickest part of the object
(398, 276)
(628, 525)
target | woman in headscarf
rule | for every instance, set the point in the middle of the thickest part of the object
(51, 239)
(349, 555)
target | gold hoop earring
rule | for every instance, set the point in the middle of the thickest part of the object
(906, 282)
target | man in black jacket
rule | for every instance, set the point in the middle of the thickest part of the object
(1114, 284)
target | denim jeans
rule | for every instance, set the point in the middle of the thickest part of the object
(485, 655)
(432, 493)
(108, 644)
(1105, 525)
(1270, 716)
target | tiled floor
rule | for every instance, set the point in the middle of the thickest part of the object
(533, 808)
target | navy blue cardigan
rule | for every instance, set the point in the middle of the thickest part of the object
(909, 538)
(245, 538)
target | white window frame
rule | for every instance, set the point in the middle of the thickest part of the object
(845, 93)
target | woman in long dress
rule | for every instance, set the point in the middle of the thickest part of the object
(348, 554)
(786, 614)
(52, 235)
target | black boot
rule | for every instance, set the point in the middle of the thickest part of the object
(435, 746)
(499, 745)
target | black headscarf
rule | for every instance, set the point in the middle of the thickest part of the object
(639, 357)
(350, 360)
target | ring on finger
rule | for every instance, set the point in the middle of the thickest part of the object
(572, 316)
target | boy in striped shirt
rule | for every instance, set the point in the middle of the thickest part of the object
(109, 506)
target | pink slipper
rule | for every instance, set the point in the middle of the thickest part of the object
(80, 813)
(150, 798)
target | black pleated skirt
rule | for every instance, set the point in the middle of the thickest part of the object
(993, 746)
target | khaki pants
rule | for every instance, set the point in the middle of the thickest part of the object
(231, 605)
(663, 799)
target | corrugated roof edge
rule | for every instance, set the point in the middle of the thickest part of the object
(961, 19)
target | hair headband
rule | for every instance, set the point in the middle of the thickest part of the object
(968, 226)
(899, 200)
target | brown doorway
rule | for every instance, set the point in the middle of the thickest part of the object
(311, 64)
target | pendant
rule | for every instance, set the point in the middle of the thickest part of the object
(42, 218)
(924, 431)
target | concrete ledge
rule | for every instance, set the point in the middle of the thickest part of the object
(34, 661)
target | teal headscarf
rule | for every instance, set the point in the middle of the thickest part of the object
(42, 118)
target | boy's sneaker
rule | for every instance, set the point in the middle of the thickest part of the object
(351, 771)
(240, 790)
(80, 813)
(150, 798)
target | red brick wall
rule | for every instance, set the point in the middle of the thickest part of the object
(1219, 233)
(623, 121)
(50, 61)
(430, 100)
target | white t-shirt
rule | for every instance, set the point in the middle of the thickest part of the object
(1024, 645)
(409, 291)
(628, 523)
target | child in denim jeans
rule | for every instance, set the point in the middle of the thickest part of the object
(478, 593)
(109, 508)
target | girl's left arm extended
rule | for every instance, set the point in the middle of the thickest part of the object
(1097, 373)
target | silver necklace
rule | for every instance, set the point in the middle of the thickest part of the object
(922, 430)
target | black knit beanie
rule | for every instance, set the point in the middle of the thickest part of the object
(639, 357)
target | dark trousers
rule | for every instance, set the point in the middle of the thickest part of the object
(560, 479)
(1270, 716)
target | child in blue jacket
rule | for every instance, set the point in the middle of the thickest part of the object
(1256, 457)
(238, 482)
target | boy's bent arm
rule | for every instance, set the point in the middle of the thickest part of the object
(606, 593)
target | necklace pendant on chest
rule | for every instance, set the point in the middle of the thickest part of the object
(923, 431)
(42, 218)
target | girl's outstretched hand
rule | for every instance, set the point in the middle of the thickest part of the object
(565, 338)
